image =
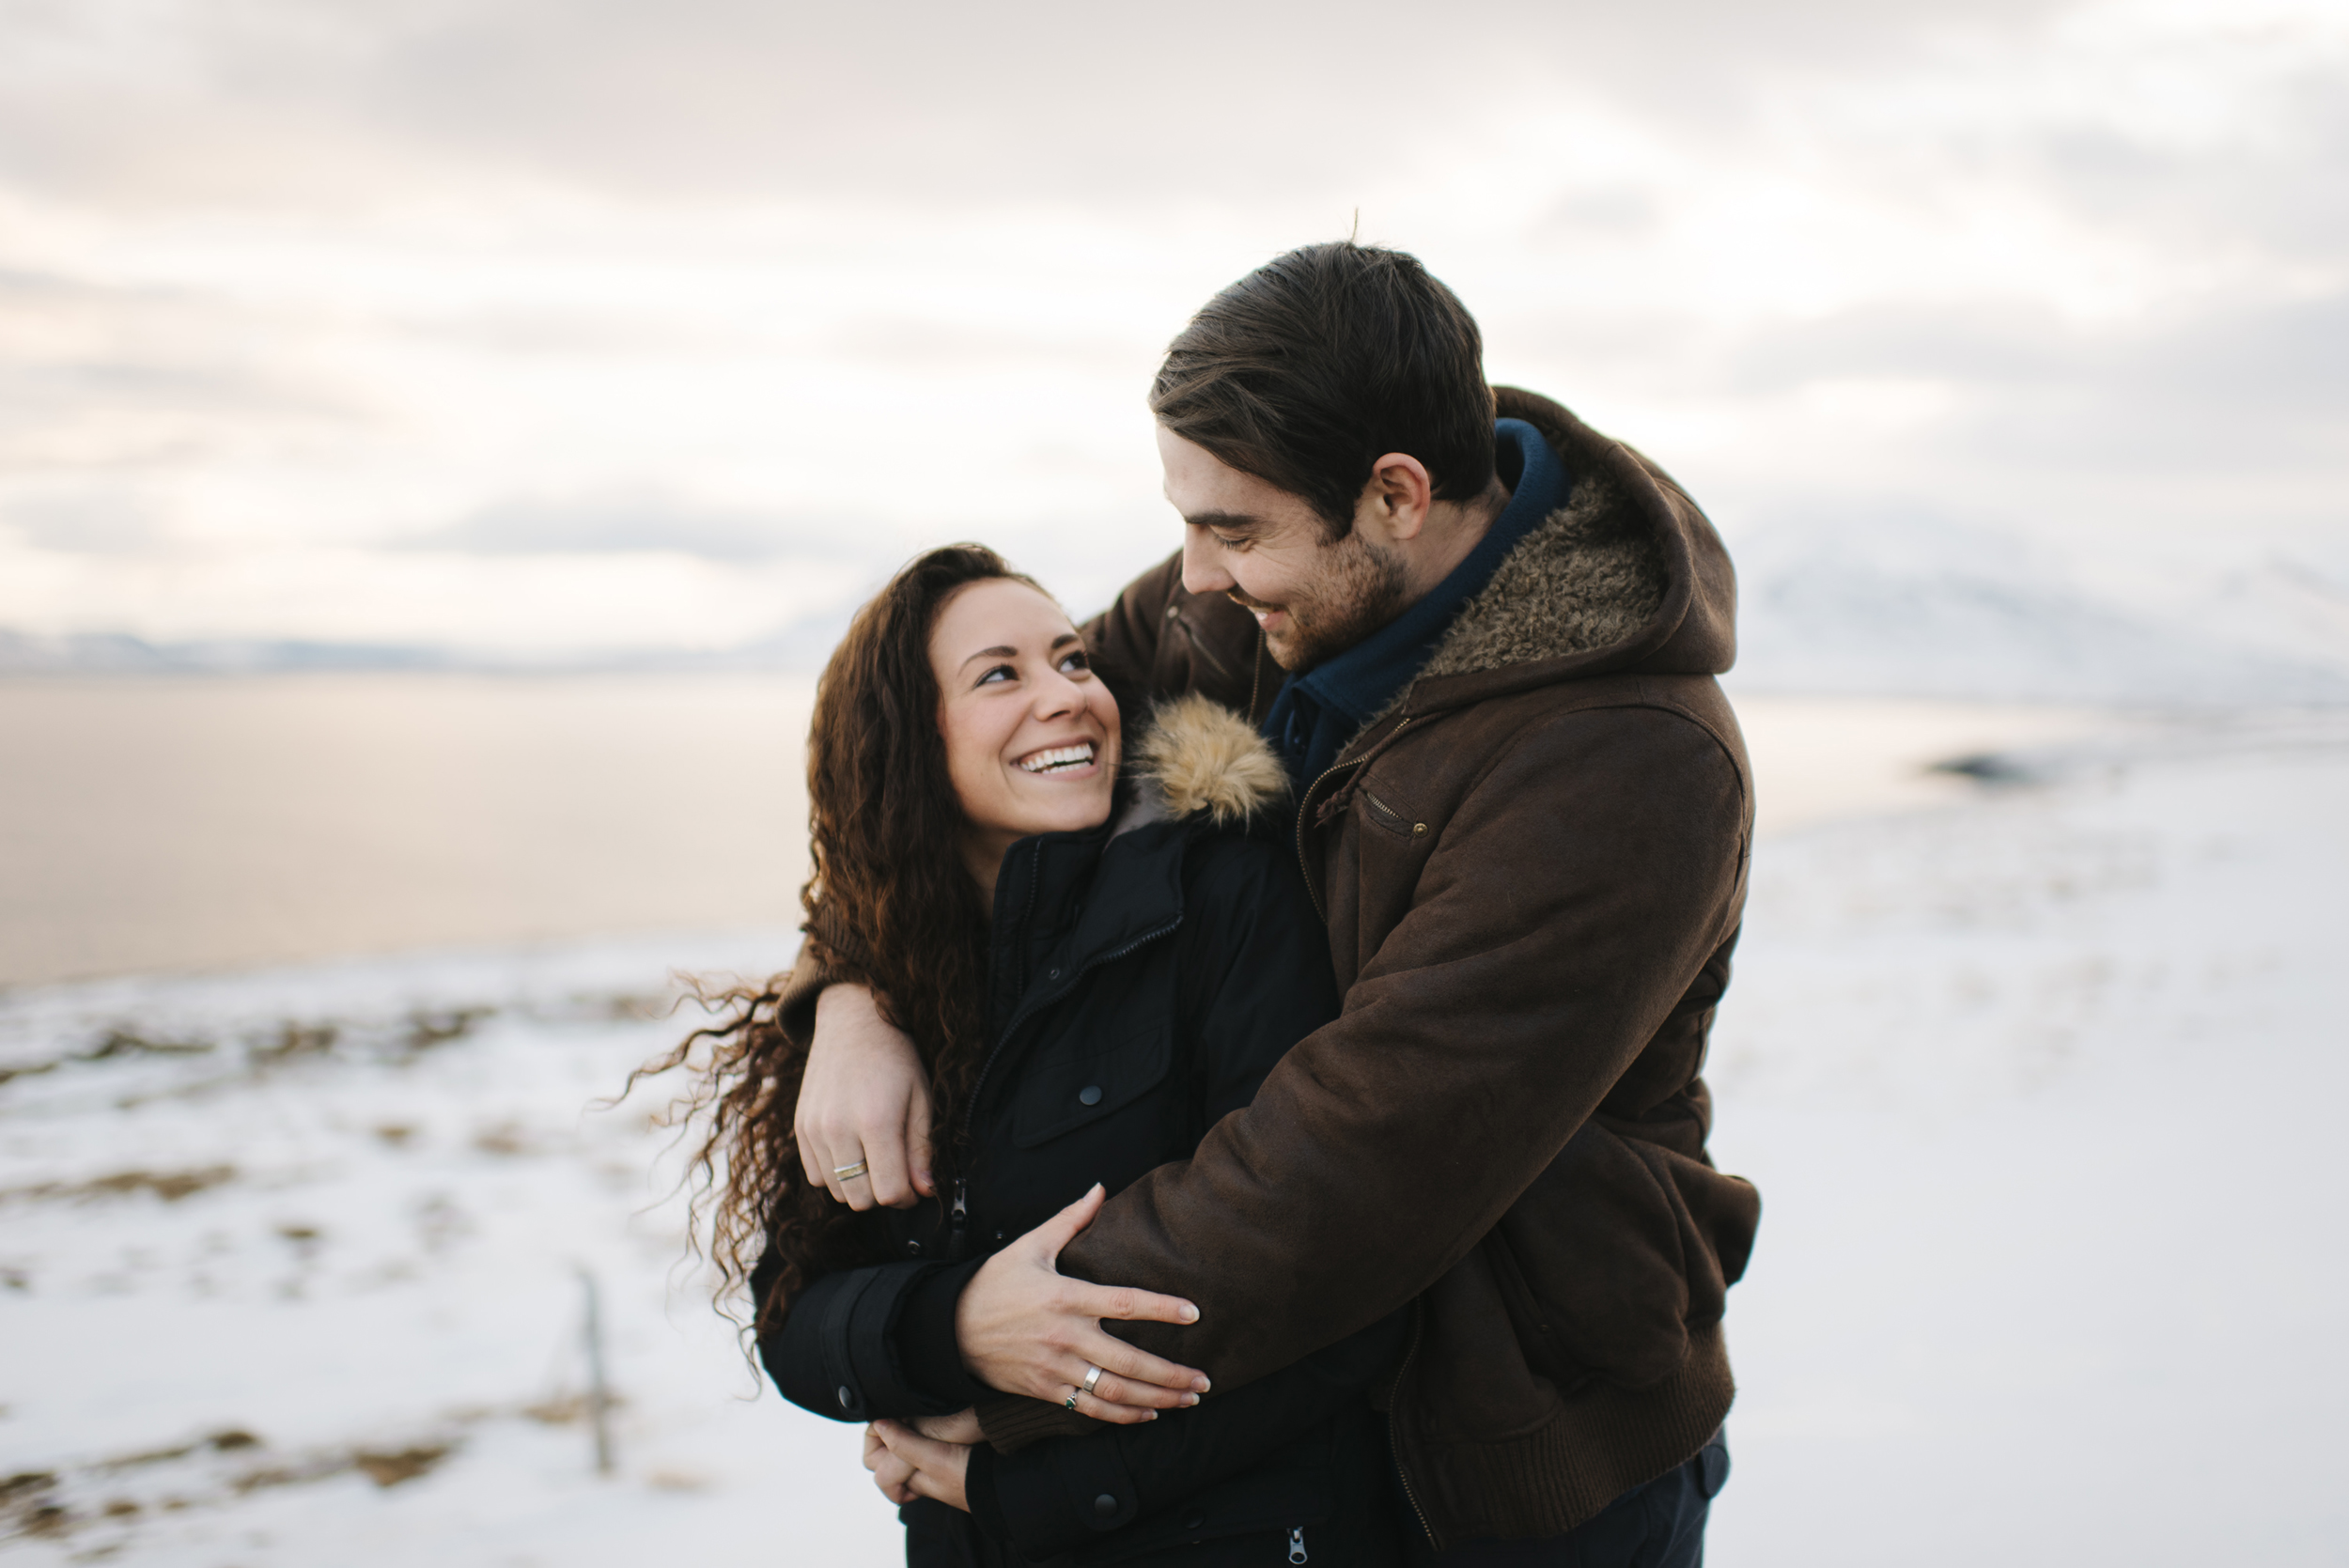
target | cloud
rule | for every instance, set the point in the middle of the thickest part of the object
(725, 282)
(631, 523)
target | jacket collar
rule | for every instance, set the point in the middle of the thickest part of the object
(1065, 902)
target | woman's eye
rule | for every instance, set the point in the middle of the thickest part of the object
(1002, 671)
(1074, 662)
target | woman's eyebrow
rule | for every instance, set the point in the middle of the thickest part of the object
(997, 652)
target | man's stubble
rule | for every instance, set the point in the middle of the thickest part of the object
(1358, 590)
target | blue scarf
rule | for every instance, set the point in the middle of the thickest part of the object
(1316, 713)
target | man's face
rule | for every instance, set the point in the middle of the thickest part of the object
(1268, 550)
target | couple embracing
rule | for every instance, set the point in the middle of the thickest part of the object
(1239, 1101)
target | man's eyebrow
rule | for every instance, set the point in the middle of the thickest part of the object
(1227, 522)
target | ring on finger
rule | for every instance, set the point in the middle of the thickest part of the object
(849, 1173)
(1093, 1377)
(1070, 1404)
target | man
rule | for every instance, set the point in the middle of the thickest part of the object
(1486, 649)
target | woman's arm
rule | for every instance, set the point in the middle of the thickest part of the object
(835, 1352)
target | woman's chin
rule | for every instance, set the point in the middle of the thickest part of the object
(1073, 814)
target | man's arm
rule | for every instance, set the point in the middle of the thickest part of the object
(1160, 640)
(1572, 899)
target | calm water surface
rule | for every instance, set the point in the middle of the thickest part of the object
(211, 822)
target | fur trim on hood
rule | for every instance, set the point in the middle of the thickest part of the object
(1590, 575)
(1201, 756)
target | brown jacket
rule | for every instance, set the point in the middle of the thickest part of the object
(1532, 867)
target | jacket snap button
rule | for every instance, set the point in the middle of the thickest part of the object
(1054, 975)
(1418, 827)
(1173, 610)
(913, 1249)
(1105, 1507)
(1089, 1094)
(848, 1397)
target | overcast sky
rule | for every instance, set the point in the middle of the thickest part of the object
(539, 326)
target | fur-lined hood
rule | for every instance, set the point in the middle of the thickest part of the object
(1626, 575)
(1197, 757)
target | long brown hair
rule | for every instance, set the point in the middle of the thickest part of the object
(889, 903)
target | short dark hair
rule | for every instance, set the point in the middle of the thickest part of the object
(1318, 362)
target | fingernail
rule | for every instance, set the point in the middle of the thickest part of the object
(1151, 1416)
(1190, 1400)
(1190, 1313)
(1201, 1383)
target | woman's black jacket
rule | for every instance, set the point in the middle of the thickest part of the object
(1142, 984)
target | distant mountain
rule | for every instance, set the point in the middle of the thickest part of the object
(22, 653)
(1915, 608)
(1897, 608)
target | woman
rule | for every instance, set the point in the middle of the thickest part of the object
(1098, 964)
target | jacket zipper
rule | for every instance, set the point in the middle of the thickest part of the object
(1255, 677)
(1311, 889)
(1296, 1543)
(958, 1219)
(1394, 1444)
(1028, 1007)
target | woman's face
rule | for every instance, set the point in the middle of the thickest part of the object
(1031, 736)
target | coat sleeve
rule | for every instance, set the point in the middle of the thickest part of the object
(1045, 1499)
(1573, 896)
(836, 1351)
(1159, 640)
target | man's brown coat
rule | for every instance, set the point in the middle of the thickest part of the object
(1534, 868)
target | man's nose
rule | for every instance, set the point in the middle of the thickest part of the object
(1203, 564)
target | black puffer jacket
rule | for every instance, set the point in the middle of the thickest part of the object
(1145, 978)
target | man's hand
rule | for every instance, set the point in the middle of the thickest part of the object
(1025, 1328)
(866, 1099)
(906, 1465)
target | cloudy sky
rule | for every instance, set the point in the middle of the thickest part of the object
(537, 327)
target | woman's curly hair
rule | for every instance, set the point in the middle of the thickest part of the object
(889, 903)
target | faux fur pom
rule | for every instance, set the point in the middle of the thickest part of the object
(1202, 756)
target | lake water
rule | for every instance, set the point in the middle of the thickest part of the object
(196, 823)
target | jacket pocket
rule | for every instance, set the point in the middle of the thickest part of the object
(1387, 817)
(1618, 1251)
(1062, 1093)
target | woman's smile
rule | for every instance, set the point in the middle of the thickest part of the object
(1061, 761)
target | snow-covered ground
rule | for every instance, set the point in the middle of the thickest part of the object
(2038, 1084)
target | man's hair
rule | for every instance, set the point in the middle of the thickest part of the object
(1318, 362)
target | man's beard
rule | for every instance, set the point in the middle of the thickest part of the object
(1358, 590)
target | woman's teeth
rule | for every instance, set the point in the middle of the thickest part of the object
(1057, 760)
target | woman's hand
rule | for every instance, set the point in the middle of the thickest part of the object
(865, 1101)
(1026, 1329)
(961, 1427)
(906, 1465)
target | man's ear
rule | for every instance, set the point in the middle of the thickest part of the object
(1393, 505)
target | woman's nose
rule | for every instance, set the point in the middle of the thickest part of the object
(1055, 695)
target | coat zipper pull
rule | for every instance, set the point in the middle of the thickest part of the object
(1296, 1543)
(957, 1223)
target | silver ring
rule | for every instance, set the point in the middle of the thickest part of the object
(1072, 1399)
(849, 1173)
(1093, 1377)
